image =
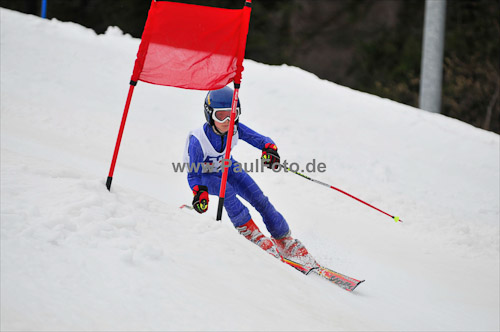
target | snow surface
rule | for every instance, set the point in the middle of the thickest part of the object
(77, 257)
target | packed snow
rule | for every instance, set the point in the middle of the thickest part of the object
(77, 257)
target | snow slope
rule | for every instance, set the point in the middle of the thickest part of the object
(77, 257)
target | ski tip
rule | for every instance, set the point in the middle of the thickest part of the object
(351, 290)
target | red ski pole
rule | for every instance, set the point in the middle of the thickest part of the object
(226, 160)
(396, 219)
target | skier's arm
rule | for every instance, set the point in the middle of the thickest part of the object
(200, 192)
(270, 154)
(252, 137)
(195, 158)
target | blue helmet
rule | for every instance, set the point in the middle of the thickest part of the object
(222, 98)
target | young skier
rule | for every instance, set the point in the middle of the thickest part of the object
(206, 146)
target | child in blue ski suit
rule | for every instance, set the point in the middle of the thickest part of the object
(205, 146)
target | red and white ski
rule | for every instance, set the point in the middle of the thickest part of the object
(345, 282)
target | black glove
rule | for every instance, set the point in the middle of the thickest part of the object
(200, 200)
(270, 156)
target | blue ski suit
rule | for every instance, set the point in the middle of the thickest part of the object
(205, 147)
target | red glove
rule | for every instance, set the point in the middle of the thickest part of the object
(270, 156)
(200, 200)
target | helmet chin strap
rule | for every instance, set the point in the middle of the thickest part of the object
(214, 128)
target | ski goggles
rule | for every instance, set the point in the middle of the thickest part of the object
(221, 115)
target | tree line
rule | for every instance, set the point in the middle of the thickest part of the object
(371, 46)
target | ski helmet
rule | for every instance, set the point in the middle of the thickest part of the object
(219, 99)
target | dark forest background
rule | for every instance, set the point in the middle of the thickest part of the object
(369, 45)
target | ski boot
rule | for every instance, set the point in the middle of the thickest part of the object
(293, 250)
(252, 233)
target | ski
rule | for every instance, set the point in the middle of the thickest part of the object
(302, 268)
(341, 280)
(345, 282)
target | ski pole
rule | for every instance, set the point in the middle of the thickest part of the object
(396, 219)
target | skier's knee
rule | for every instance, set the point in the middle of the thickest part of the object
(261, 203)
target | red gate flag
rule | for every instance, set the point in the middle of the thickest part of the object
(191, 46)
